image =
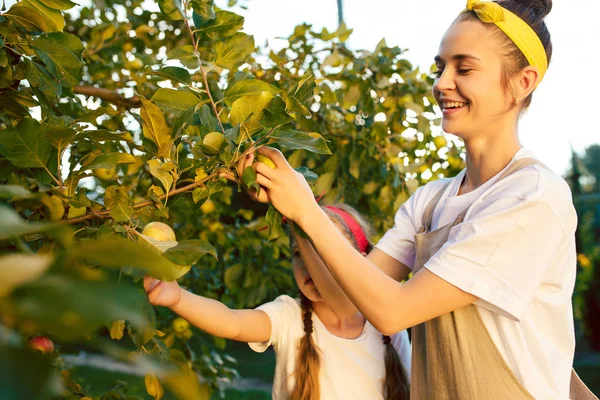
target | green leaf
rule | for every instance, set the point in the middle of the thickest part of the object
(12, 225)
(73, 309)
(118, 202)
(155, 128)
(275, 113)
(249, 176)
(233, 52)
(186, 55)
(175, 101)
(293, 139)
(3, 58)
(176, 74)
(248, 87)
(114, 252)
(304, 90)
(171, 8)
(207, 119)
(293, 106)
(110, 161)
(310, 176)
(60, 136)
(204, 8)
(29, 19)
(213, 142)
(12, 191)
(224, 25)
(188, 252)
(25, 146)
(60, 60)
(249, 107)
(162, 172)
(274, 221)
(17, 269)
(233, 276)
(6, 77)
(324, 183)
(39, 77)
(59, 4)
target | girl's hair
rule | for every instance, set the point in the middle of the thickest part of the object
(533, 13)
(308, 362)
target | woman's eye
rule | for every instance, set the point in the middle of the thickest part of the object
(464, 71)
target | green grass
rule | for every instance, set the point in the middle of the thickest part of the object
(97, 382)
(251, 364)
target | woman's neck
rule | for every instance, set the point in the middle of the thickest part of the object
(347, 327)
(486, 156)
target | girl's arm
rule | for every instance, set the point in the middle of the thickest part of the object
(209, 315)
(389, 305)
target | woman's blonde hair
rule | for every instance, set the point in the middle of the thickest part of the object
(308, 362)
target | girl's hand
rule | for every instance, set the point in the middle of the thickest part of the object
(283, 187)
(166, 294)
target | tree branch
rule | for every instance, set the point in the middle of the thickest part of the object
(105, 214)
(109, 96)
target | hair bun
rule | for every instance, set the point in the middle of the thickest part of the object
(540, 7)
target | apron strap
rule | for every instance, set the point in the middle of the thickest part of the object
(522, 163)
(428, 214)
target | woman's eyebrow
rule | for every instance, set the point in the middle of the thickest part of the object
(457, 57)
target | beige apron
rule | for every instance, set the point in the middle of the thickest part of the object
(454, 357)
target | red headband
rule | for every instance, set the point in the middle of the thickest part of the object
(357, 232)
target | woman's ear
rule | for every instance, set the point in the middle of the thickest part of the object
(526, 82)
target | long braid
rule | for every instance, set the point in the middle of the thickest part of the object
(308, 362)
(396, 385)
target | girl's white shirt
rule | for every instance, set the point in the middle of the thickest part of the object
(515, 250)
(350, 368)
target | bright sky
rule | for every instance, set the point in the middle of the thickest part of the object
(560, 114)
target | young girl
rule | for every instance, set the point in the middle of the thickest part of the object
(325, 348)
(492, 251)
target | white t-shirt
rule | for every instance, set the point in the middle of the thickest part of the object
(350, 368)
(515, 250)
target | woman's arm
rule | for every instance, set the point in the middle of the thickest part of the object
(389, 305)
(210, 315)
(331, 291)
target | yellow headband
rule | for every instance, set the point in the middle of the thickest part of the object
(516, 29)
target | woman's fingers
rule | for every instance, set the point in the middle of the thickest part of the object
(275, 155)
(265, 170)
(245, 161)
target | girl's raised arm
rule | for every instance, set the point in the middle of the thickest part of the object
(211, 316)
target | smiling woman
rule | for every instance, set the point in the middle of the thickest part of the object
(492, 251)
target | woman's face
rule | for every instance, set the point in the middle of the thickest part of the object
(468, 86)
(303, 278)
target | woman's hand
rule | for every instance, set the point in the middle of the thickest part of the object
(166, 294)
(283, 187)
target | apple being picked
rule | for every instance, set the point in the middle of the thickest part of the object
(42, 344)
(159, 231)
(265, 160)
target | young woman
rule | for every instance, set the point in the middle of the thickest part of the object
(325, 349)
(492, 251)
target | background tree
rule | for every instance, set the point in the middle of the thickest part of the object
(117, 114)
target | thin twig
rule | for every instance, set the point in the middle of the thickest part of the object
(205, 79)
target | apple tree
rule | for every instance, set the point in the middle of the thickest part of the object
(125, 113)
